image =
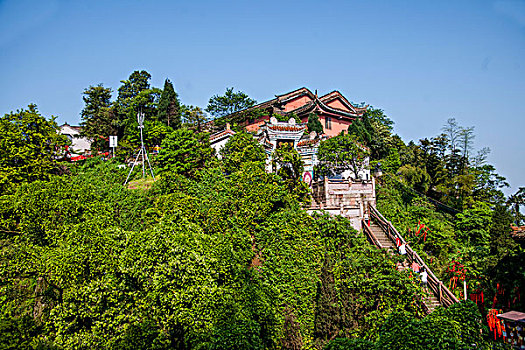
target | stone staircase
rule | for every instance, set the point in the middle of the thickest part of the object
(386, 242)
(431, 302)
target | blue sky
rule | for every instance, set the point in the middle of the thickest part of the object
(422, 62)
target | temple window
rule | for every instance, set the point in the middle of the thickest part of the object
(328, 123)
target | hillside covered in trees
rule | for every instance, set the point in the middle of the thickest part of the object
(220, 254)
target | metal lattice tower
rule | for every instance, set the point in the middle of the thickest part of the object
(142, 151)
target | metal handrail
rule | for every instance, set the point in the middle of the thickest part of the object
(443, 294)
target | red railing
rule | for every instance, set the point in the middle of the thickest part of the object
(442, 293)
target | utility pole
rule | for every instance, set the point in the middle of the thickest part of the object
(142, 151)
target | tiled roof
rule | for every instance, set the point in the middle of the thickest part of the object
(321, 103)
(222, 134)
(305, 143)
(74, 127)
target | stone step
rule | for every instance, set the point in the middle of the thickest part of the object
(431, 302)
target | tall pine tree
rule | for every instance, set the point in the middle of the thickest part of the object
(169, 111)
(97, 116)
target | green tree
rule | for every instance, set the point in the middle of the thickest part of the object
(451, 130)
(194, 117)
(314, 124)
(374, 129)
(458, 327)
(501, 243)
(137, 82)
(340, 153)
(134, 96)
(414, 177)
(515, 201)
(29, 147)
(169, 111)
(98, 118)
(488, 184)
(474, 223)
(288, 164)
(362, 129)
(242, 148)
(466, 140)
(184, 152)
(230, 102)
(392, 162)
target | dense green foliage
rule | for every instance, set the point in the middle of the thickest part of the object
(230, 102)
(102, 117)
(457, 327)
(169, 110)
(477, 239)
(198, 263)
(220, 254)
(242, 148)
(452, 328)
(314, 124)
(340, 153)
(184, 152)
(374, 130)
(194, 117)
(516, 201)
(29, 147)
(287, 163)
(98, 120)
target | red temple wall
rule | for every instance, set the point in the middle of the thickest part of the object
(338, 125)
(296, 103)
(338, 104)
(256, 124)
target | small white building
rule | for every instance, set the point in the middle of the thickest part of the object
(219, 139)
(79, 145)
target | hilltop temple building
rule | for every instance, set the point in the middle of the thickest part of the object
(343, 195)
(334, 111)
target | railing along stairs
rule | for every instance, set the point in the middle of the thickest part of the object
(443, 295)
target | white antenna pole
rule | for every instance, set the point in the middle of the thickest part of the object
(140, 119)
(142, 151)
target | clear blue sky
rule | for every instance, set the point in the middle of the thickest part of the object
(422, 62)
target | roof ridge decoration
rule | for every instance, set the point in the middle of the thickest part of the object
(318, 104)
(296, 91)
(309, 142)
(286, 127)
